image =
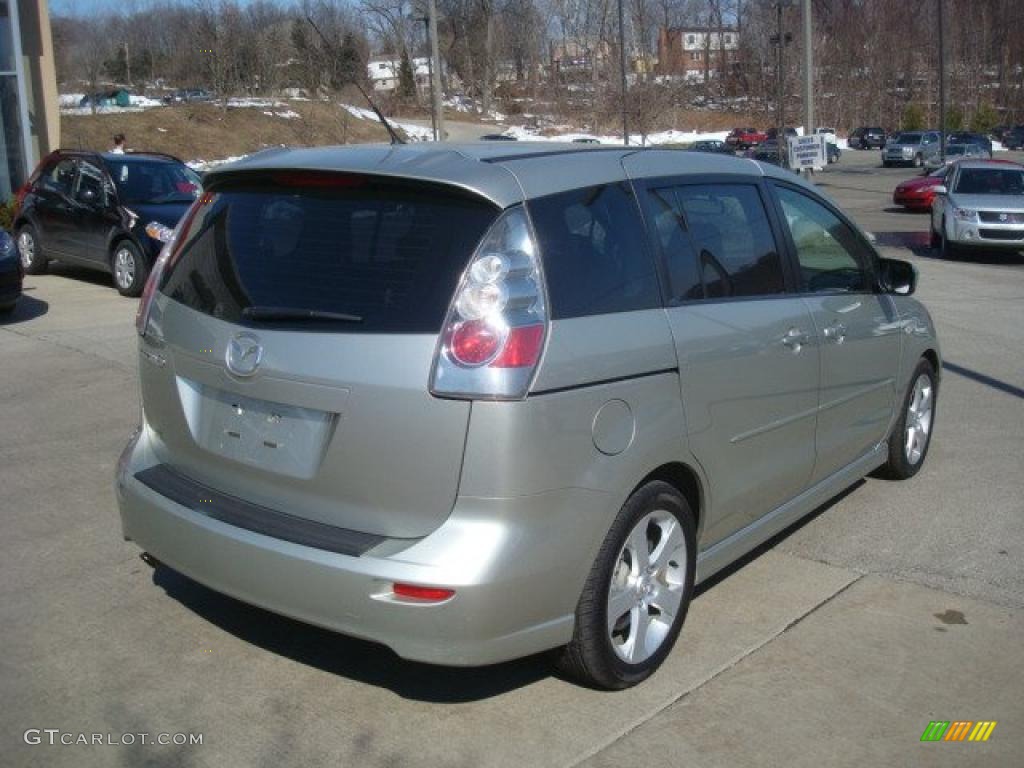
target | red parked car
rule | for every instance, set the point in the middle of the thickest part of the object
(745, 138)
(917, 194)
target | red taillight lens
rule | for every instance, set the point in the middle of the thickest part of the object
(475, 342)
(431, 594)
(522, 348)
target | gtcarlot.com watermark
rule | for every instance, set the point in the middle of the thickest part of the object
(57, 737)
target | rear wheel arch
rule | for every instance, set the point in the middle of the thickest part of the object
(684, 479)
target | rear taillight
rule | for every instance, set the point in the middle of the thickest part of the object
(494, 333)
(168, 254)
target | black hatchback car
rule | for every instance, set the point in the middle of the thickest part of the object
(111, 212)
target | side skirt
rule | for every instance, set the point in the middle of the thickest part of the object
(730, 549)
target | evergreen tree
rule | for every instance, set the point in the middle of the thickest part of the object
(406, 79)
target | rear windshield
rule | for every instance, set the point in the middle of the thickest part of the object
(372, 257)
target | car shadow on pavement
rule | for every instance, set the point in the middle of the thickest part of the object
(84, 274)
(919, 243)
(350, 657)
(26, 309)
(769, 545)
(377, 665)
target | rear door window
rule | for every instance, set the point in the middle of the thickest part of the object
(387, 256)
(595, 253)
(60, 177)
(728, 249)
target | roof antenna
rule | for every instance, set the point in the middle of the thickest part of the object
(395, 138)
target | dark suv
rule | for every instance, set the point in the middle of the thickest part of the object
(1014, 138)
(108, 211)
(866, 137)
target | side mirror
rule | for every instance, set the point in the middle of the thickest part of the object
(897, 277)
(941, 190)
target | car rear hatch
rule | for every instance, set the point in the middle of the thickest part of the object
(288, 350)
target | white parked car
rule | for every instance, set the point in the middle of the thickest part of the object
(828, 133)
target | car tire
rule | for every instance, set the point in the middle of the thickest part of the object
(886, 164)
(934, 240)
(912, 435)
(32, 259)
(6, 309)
(615, 652)
(947, 250)
(918, 161)
(128, 268)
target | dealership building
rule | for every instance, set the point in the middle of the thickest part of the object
(29, 110)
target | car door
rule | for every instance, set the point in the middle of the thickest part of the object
(858, 328)
(92, 215)
(747, 351)
(53, 207)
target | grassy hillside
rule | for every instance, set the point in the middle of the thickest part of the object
(208, 132)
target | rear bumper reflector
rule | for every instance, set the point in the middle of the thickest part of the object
(253, 517)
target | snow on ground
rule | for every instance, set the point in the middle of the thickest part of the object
(144, 101)
(288, 114)
(245, 102)
(70, 99)
(414, 132)
(206, 165)
(660, 137)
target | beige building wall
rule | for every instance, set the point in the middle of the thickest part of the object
(40, 78)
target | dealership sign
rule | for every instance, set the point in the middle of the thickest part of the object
(807, 152)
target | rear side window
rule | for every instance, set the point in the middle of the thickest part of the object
(60, 177)
(593, 244)
(388, 256)
(717, 241)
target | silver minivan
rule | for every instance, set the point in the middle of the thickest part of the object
(478, 401)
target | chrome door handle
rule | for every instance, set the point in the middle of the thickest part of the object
(794, 339)
(835, 332)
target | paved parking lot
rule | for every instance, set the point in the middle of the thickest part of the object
(894, 605)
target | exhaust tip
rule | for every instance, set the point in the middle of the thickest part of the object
(149, 560)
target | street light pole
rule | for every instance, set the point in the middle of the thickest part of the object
(780, 113)
(808, 69)
(622, 62)
(435, 74)
(942, 80)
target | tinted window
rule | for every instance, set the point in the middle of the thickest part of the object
(669, 225)
(729, 232)
(990, 181)
(60, 177)
(388, 254)
(832, 256)
(89, 189)
(139, 181)
(593, 245)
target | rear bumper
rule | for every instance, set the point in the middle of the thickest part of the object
(517, 566)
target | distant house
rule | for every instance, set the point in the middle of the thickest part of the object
(118, 97)
(692, 51)
(383, 72)
(571, 57)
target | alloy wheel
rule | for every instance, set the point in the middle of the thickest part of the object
(919, 419)
(124, 268)
(26, 249)
(646, 589)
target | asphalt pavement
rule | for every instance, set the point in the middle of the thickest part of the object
(892, 606)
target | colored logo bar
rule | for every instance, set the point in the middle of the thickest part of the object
(958, 730)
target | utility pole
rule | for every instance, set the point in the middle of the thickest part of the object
(430, 75)
(622, 62)
(127, 63)
(808, 69)
(780, 40)
(437, 108)
(942, 79)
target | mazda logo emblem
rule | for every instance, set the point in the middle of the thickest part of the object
(244, 354)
